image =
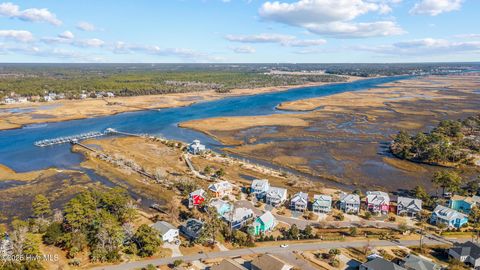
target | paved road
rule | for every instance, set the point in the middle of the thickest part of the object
(262, 250)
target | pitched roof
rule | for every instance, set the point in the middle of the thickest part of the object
(322, 199)
(163, 227)
(276, 192)
(259, 184)
(382, 264)
(410, 203)
(418, 263)
(300, 197)
(377, 197)
(350, 198)
(448, 213)
(467, 249)
(219, 204)
(228, 264)
(223, 185)
(238, 214)
(267, 217)
(470, 200)
(269, 262)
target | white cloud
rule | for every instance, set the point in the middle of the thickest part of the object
(435, 7)
(468, 36)
(17, 35)
(92, 42)
(32, 14)
(66, 35)
(244, 49)
(284, 40)
(332, 17)
(426, 46)
(86, 26)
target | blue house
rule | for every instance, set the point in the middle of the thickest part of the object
(463, 204)
(451, 218)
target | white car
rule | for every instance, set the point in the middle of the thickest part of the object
(283, 245)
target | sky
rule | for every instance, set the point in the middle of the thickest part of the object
(240, 31)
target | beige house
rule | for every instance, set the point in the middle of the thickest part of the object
(269, 262)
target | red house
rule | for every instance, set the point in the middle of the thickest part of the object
(196, 198)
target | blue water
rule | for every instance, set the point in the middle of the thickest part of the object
(18, 152)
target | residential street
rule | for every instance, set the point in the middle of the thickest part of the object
(262, 250)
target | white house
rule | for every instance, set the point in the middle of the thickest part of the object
(408, 206)
(349, 203)
(238, 217)
(168, 232)
(9, 101)
(221, 188)
(196, 147)
(378, 202)
(322, 204)
(276, 196)
(467, 252)
(299, 202)
(260, 187)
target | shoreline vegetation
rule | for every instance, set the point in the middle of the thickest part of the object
(13, 116)
(451, 144)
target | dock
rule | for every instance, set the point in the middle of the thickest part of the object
(73, 138)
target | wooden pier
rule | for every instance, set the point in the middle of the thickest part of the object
(69, 139)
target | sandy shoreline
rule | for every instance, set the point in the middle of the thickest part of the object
(65, 110)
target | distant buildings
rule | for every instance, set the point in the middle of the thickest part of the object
(467, 252)
(192, 229)
(463, 204)
(196, 198)
(322, 204)
(263, 224)
(408, 206)
(377, 202)
(276, 196)
(299, 202)
(220, 189)
(168, 232)
(196, 148)
(260, 187)
(449, 217)
(349, 203)
(269, 262)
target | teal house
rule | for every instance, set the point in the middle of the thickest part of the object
(464, 204)
(263, 224)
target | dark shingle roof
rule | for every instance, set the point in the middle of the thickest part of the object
(382, 264)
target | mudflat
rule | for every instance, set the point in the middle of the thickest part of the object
(346, 136)
(17, 115)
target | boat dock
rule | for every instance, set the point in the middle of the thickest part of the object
(71, 139)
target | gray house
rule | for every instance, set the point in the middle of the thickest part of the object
(322, 204)
(349, 203)
(408, 206)
(380, 264)
(299, 202)
(413, 262)
(276, 196)
(468, 253)
(192, 229)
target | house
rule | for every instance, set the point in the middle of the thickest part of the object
(9, 101)
(196, 198)
(260, 187)
(228, 264)
(467, 252)
(408, 206)
(463, 204)
(263, 224)
(196, 147)
(110, 94)
(299, 202)
(5, 247)
(83, 96)
(413, 262)
(276, 196)
(380, 264)
(22, 99)
(322, 204)
(168, 232)
(451, 218)
(349, 203)
(377, 202)
(221, 206)
(220, 189)
(192, 229)
(239, 217)
(269, 262)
